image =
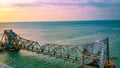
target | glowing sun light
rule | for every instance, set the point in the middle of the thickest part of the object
(6, 9)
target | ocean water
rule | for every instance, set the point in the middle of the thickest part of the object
(64, 32)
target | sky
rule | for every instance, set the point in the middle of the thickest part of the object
(58, 10)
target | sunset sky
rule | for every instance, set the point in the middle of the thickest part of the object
(58, 10)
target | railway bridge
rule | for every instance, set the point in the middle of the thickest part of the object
(95, 54)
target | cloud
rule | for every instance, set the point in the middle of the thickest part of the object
(26, 5)
(79, 9)
(74, 3)
(51, 10)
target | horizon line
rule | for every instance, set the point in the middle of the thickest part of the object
(59, 21)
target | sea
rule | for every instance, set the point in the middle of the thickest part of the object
(59, 32)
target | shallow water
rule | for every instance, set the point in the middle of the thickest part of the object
(71, 32)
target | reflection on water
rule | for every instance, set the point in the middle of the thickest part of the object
(3, 56)
(58, 33)
(33, 60)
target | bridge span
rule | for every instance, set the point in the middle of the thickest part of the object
(95, 54)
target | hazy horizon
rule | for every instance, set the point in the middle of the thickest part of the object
(59, 21)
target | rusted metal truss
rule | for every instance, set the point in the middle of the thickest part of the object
(84, 54)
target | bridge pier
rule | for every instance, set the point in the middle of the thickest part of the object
(4, 47)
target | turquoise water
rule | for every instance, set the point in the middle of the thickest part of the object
(69, 32)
